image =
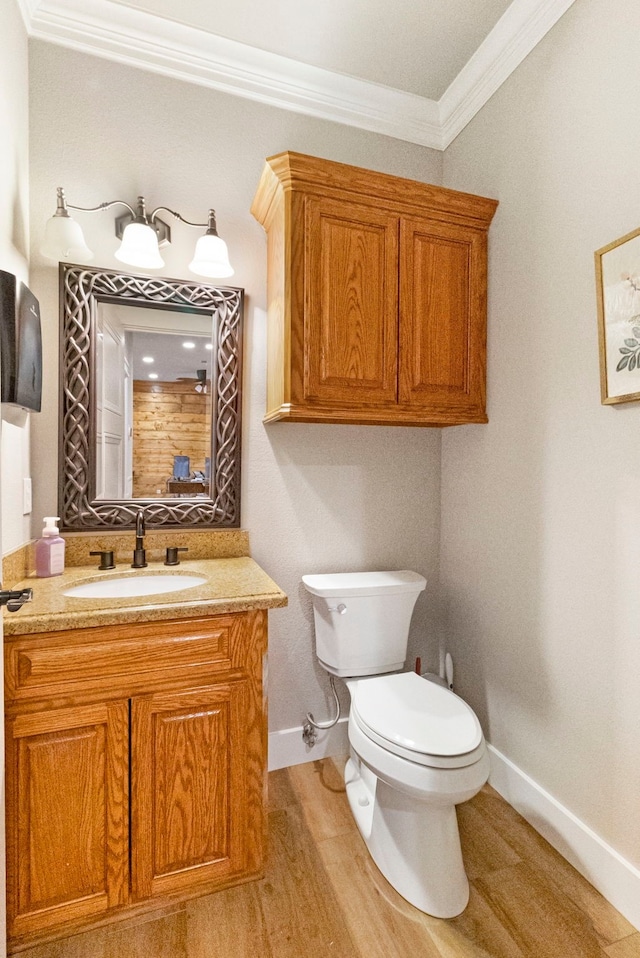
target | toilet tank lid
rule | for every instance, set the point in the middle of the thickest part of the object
(364, 583)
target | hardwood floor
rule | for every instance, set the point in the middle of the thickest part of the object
(323, 896)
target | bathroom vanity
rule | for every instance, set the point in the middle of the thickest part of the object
(136, 745)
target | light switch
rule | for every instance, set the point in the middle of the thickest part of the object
(26, 496)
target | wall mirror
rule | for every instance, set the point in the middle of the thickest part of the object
(150, 401)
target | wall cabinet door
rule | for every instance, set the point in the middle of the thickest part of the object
(442, 326)
(351, 303)
(189, 800)
(67, 829)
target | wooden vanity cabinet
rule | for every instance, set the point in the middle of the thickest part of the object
(135, 768)
(376, 296)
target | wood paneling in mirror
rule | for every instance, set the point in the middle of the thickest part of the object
(169, 419)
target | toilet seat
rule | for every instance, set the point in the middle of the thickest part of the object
(417, 720)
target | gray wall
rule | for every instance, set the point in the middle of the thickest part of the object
(14, 251)
(540, 509)
(315, 498)
(14, 198)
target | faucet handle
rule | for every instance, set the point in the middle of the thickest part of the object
(172, 555)
(106, 559)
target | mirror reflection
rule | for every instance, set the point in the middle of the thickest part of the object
(153, 403)
(150, 403)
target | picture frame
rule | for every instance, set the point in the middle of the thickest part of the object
(618, 295)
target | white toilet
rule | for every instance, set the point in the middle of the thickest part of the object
(417, 749)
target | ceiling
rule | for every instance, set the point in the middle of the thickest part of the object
(170, 360)
(160, 335)
(417, 46)
(418, 70)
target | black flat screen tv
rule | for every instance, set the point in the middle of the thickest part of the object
(20, 344)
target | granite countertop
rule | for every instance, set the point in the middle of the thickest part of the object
(235, 584)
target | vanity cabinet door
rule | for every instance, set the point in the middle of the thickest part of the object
(67, 815)
(190, 788)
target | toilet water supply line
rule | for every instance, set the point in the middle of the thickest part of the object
(309, 734)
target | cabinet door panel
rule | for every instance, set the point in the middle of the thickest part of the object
(351, 312)
(442, 316)
(189, 761)
(67, 815)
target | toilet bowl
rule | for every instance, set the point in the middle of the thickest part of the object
(416, 749)
(403, 799)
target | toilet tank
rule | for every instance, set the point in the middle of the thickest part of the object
(362, 619)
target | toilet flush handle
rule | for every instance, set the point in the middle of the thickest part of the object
(340, 609)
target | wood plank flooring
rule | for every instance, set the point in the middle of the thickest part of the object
(323, 896)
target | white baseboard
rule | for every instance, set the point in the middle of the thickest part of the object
(614, 877)
(287, 748)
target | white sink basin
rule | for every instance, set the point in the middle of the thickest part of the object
(126, 587)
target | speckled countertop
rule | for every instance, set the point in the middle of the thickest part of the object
(233, 584)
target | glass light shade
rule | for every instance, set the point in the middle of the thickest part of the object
(211, 258)
(64, 241)
(139, 247)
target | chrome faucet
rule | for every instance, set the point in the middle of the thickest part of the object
(139, 556)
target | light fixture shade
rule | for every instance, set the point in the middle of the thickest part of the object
(139, 247)
(64, 241)
(211, 258)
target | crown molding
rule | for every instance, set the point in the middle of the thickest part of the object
(27, 10)
(144, 40)
(519, 30)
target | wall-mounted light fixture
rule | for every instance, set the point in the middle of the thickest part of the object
(140, 233)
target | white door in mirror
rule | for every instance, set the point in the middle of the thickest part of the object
(133, 585)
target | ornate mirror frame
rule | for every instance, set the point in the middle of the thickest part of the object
(81, 291)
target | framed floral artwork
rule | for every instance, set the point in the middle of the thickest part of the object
(618, 291)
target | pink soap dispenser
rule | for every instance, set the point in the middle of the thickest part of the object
(50, 549)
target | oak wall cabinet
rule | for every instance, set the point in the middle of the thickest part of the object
(377, 291)
(136, 760)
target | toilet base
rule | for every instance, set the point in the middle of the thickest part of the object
(415, 844)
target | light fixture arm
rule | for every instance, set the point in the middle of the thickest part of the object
(102, 206)
(62, 206)
(210, 224)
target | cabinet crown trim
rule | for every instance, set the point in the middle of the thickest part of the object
(299, 172)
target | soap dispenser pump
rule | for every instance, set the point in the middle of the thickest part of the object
(50, 549)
